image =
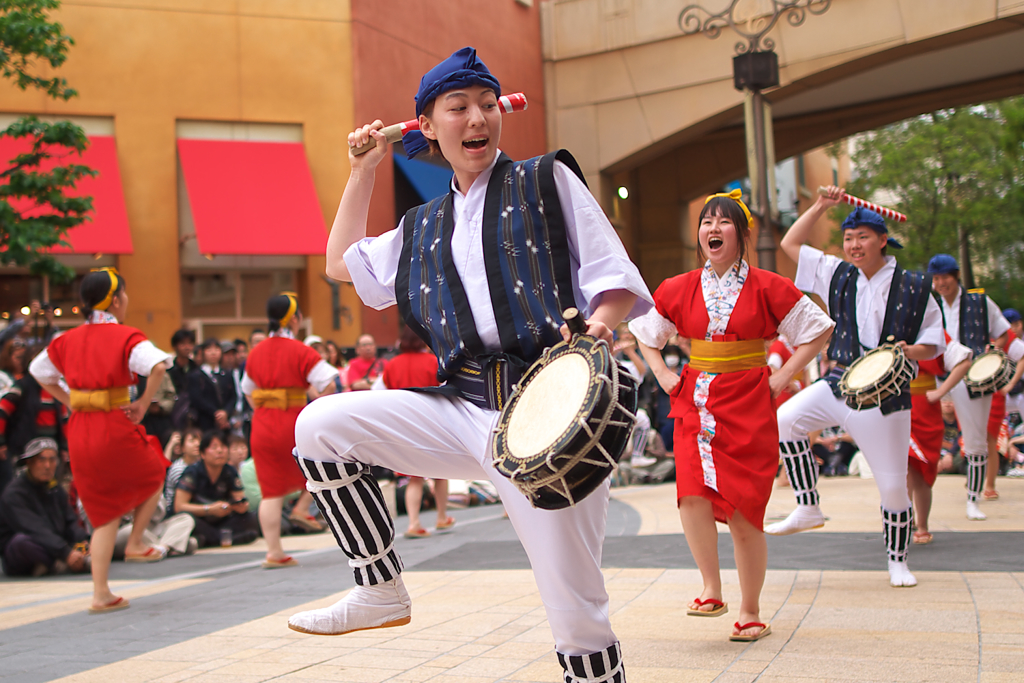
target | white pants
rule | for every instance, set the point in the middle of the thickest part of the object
(438, 437)
(972, 414)
(883, 439)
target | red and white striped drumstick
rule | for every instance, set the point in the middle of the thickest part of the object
(877, 208)
(393, 133)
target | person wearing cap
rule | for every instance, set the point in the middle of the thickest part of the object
(446, 266)
(726, 434)
(39, 531)
(975, 321)
(279, 374)
(118, 468)
(871, 299)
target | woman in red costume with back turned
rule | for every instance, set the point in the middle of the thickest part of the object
(117, 467)
(278, 374)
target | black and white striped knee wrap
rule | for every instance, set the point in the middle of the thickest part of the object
(351, 500)
(975, 475)
(896, 529)
(802, 469)
(597, 667)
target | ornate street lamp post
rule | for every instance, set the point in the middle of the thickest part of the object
(754, 68)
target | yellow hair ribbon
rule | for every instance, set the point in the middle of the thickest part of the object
(293, 305)
(736, 195)
(105, 304)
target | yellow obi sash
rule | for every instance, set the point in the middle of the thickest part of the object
(282, 399)
(923, 383)
(727, 356)
(100, 400)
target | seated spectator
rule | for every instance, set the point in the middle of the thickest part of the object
(173, 533)
(39, 531)
(211, 491)
(189, 444)
(211, 391)
(834, 449)
(238, 451)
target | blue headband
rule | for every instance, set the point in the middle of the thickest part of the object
(461, 70)
(1011, 315)
(861, 217)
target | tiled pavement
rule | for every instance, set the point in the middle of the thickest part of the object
(477, 616)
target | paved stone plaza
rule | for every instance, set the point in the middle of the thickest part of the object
(477, 616)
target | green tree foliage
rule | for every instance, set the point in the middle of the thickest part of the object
(35, 211)
(958, 175)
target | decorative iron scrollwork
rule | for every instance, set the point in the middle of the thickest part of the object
(752, 19)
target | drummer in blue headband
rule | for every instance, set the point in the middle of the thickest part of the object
(482, 274)
(871, 299)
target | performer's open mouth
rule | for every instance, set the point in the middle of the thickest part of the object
(715, 243)
(475, 143)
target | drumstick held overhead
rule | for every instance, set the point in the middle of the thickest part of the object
(393, 133)
(877, 208)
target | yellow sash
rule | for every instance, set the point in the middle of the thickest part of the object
(100, 400)
(734, 356)
(282, 399)
(923, 383)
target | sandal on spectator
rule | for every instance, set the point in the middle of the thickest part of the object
(152, 554)
(417, 533)
(922, 538)
(446, 524)
(990, 495)
(286, 561)
(766, 629)
(720, 608)
(306, 523)
(117, 604)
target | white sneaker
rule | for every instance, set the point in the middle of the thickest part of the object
(973, 512)
(365, 607)
(803, 518)
(900, 576)
(642, 461)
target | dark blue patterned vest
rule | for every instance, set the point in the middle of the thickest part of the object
(974, 332)
(904, 313)
(526, 256)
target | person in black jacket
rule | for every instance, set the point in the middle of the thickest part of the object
(211, 391)
(39, 532)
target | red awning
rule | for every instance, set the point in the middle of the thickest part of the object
(106, 231)
(252, 197)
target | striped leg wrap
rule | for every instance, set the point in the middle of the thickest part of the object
(802, 469)
(352, 502)
(975, 475)
(896, 528)
(597, 667)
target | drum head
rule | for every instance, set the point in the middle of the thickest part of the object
(985, 367)
(870, 368)
(548, 405)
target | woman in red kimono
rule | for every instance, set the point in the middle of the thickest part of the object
(927, 427)
(117, 467)
(278, 374)
(726, 445)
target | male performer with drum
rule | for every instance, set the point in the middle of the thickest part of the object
(726, 438)
(871, 299)
(927, 427)
(447, 266)
(975, 321)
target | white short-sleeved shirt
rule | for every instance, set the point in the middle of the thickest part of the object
(599, 261)
(997, 324)
(814, 274)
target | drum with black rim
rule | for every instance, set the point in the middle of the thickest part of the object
(875, 376)
(566, 424)
(990, 372)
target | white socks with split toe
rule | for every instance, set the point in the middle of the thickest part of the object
(900, 576)
(974, 512)
(804, 517)
(365, 607)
